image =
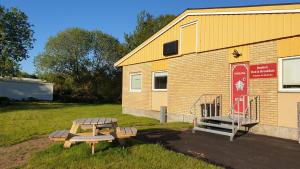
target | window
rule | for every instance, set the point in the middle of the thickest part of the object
(135, 82)
(289, 74)
(159, 81)
(170, 48)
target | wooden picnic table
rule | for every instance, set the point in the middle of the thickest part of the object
(94, 122)
(98, 134)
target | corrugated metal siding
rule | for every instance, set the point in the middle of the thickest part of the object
(222, 31)
(289, 47)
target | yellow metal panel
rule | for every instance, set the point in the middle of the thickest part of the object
(287, 25)
(206, 35)
(289, 47)
(295, 23)
(188, 39)
(244, 50)
(246, 28)
(159, 65)
(223, 31)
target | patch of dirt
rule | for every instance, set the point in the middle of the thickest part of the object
(20, 153)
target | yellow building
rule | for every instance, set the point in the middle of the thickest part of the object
(228, 67)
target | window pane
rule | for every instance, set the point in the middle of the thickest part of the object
(291, 72)
(160, 80)
(136, 82)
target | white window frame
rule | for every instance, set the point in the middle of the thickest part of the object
(130, 76)
(153, 82)
(280, 76)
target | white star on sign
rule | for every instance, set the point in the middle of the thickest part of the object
(239, 85)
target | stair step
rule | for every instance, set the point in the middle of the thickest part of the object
(213, 131)
(223, 126)
(219, 119)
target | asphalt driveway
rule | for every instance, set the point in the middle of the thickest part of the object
(245, 152)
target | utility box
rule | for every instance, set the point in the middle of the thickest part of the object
(163, 114)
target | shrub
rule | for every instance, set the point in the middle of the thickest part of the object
(4, 101)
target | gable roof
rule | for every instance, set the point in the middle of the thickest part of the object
(239, 10)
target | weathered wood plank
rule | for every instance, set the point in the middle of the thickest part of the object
(88, 121)
(59, 135)
(92, 138)
(101, 121)
(79, 121)
(114, 120)
(53, 134)
(127, 130)
(94, 121)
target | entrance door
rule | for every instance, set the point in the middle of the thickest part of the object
(239, 86)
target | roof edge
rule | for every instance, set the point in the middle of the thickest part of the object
(185, 14)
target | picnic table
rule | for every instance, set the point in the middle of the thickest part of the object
(97, 125)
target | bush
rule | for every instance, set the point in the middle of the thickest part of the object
(32, 99)
(4, 101)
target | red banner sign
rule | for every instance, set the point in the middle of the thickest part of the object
(263, 71)
(239, 86)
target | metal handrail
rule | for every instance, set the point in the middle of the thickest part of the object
(203, 100)
(247, 112)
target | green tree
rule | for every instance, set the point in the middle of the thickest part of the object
(147, 25)
(80, 63)
(16, 38)
(66, 53)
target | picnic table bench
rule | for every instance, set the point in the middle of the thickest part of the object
(126, 132)
(97, 125)
(60, 135)
(93, 140)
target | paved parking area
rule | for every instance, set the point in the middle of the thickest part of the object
(245, 152)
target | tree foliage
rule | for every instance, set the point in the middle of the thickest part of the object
(147, 25)
(16, 38)
(80, 62)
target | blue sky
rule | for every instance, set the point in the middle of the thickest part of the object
(112, 16)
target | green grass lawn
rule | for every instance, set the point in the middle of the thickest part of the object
(23, 121)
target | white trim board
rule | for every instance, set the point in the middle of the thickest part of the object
(169, 26)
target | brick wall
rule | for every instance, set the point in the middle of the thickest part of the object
(209, 73)
(192, 75)
(266, 88)
(137, 100)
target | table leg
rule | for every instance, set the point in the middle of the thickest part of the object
(93, 148)
(73, 130)
(94, 130)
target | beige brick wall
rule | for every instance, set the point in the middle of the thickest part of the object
(193, 75)
(196, 74)
(266, 88)
(138, 100)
